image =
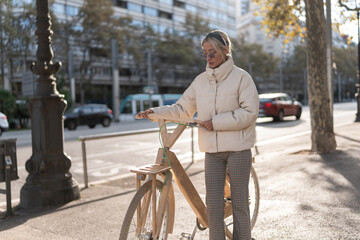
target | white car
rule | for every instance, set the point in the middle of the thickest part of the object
(4, 124)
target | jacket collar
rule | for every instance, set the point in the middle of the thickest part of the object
(220, 73)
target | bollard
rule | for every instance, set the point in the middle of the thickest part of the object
(86, 179)
(8, 164)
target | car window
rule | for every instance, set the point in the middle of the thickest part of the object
(86, 110)
(74, 110)
(287, 98)
(98, 109)
(265, 99)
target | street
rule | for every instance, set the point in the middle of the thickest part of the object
(112, 158)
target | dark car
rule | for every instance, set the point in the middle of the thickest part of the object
(278, 106)
(4, 124)
(89, 114)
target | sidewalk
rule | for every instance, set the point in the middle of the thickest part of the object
(303, 196)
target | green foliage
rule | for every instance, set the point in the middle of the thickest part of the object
(346, 61)
(98, 27)
(282, 17)
(22, 113)
(247, 55)
(7, 104)
(196, 27)
(15, 46)
(297, 62)
(177, 52)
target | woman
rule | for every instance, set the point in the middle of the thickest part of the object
(226, 100)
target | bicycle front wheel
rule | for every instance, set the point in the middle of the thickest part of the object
(254, 199)
(137, 223)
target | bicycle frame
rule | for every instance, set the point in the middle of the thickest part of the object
(162, 168)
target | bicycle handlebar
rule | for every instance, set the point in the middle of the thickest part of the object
(156, 117)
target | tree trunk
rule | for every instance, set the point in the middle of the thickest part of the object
(322, 129)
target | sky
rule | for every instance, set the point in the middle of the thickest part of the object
(340, 14)
(351, 29)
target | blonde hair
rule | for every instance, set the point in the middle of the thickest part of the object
(219, 40)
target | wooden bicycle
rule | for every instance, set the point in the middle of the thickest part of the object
(151, 213)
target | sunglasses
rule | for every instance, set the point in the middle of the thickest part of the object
(211, 55)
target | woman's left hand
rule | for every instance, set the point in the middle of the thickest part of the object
(208, 125)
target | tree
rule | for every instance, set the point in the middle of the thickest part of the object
(179, 52)
(93, 39)
(15, 48)
(252, 58)
(282, 17)
(346, 62)
(7, 104)
(322, 134)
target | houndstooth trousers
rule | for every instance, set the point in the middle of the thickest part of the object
(239, 165)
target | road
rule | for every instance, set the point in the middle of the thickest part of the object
(112, 158)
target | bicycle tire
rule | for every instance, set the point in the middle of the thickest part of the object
(129, 226)
(254, 193)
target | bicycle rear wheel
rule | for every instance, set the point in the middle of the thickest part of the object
(254, 199)
(141, 228)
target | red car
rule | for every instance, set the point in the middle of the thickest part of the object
(278, 106)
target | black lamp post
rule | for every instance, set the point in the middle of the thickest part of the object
(357, 95)
(49, 181)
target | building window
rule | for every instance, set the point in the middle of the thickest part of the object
(179, 4)
(137, 23)
(244, 6)
(162, 28)
(180, 19)
(190, 8)
(134, 7)
(213, 2)
(222, 16)
(71, 10)
(222, 5)
(151, 11)
(170, 2)
(58, 8)
(78, 28)
(153, 26)
(202, 11)
(122, 4)
(18, 3)
(212, 14)
(166, 15)
(232, 20)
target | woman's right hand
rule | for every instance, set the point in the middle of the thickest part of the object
(144, 114)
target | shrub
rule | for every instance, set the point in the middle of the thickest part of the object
(7, 104)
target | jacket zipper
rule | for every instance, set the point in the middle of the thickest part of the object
(216, 90)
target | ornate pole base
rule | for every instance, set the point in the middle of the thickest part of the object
(49, 181)
(39, 192)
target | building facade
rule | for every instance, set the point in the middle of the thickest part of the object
(162, 16)
(249, 28)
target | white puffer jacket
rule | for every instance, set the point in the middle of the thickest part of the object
(228, 96)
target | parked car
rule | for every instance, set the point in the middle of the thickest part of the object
(4, 124)
(89, 114)
(278, 106)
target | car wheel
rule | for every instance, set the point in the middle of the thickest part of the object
(280, 116)
(106, 122)
(72, 125)
(298, 114)
(92, 125)
(1, 131)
